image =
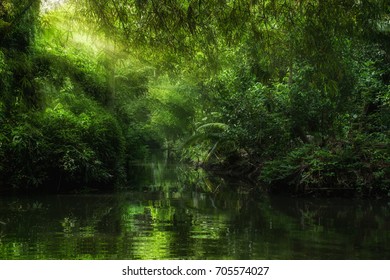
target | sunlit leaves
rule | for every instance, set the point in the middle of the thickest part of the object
(173, 107)
(282, 29)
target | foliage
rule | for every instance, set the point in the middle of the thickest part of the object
(360, 165)
(58, 147)
(213, 134)
(297, 90)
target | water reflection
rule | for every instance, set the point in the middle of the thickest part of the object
(178, 213)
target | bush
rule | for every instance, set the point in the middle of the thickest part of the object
(360, 164)
(61, 149)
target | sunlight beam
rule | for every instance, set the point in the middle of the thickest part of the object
(49, 5)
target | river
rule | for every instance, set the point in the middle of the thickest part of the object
(171, 211)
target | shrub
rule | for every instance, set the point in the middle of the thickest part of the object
(61, 149)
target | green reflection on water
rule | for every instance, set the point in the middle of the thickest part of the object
(174, 212)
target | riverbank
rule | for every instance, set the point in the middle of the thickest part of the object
(348, 170)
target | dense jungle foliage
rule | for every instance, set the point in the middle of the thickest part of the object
(294, 95)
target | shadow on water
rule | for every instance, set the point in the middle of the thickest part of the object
(173, 211)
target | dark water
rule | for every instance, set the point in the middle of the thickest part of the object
(173, 212)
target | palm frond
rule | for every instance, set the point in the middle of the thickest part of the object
(222, 126)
